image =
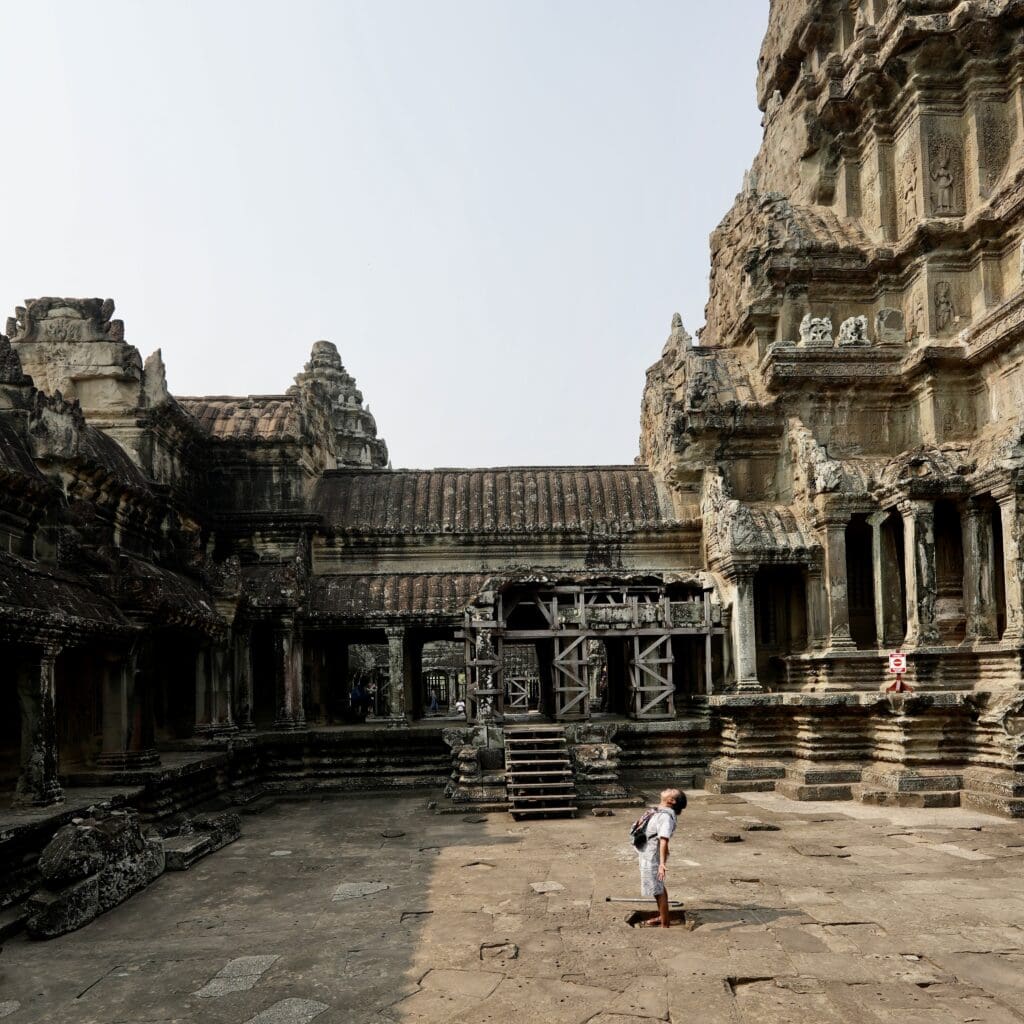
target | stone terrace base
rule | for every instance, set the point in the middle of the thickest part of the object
(936, 750)
(847, 913)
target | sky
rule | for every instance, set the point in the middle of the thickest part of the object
(492, 207)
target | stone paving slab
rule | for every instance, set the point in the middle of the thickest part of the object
(494, 922)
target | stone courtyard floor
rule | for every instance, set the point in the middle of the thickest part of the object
(846, 913)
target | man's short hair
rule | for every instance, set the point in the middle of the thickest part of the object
(675, 797)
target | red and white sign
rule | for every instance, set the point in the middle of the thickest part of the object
(897, 663)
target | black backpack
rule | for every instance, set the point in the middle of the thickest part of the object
(638, 830)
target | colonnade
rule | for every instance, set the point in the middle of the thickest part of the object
(904, 579)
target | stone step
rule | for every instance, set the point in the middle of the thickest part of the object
(515, 787)
(549, 797)
(798, 791)
(181, 852)
(887, 798)
(519, 757)
(824, 775)
(1006, 807)
(903, 781)
(736, 771)
(739, 786)
(996, 781)
(514, 772)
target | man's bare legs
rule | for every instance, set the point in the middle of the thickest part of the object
(661, 918)
(662, 900)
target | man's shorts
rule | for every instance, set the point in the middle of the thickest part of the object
(649, 884)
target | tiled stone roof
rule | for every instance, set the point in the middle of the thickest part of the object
(50, 600)
(393, 594)
(14, 455)
(257, 417)
(505, 500)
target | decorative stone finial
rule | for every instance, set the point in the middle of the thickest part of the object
(324, 356)
(69, 320)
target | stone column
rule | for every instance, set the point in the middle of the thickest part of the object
(744, 633)
(837, 587)
(38, 785)
(1013, 571)
(919, 553)
(817, 609)
(288, 674)
(127, 712)
(204, 696)
(886, 578)
(398, 705)
(242, 693)
(979, 572)
(222, 673)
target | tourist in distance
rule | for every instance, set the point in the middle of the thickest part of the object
(657, 826)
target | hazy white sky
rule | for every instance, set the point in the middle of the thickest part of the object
(492, 207)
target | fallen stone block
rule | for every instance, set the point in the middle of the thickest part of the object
(727, 837)
(123, 862)
(222, 828)
(181, 852)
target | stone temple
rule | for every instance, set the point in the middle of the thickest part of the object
(193, 589)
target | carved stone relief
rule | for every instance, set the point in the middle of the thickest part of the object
(869, 198)
(854, 331)
(945, 310)
(946, 177)
(908, 208)
(917, 322)
(995, 148)
(816, 331)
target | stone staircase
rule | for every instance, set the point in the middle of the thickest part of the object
(538, 773)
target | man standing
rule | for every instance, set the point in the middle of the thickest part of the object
(654, 855)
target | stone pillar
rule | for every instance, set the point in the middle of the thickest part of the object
(291, 713)
(919, 553)
(38, 785)
(837, 587)
(127, 711)
(979, 572)
(242, 693)
(1013, 571)
(885, 575)
(817, 609)
(221, 683)
(398, 704)
(204, 695)
(744, 633)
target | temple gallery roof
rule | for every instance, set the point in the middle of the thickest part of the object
(505, 500)
(39, 598)
(393, 594)
(256, 417)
